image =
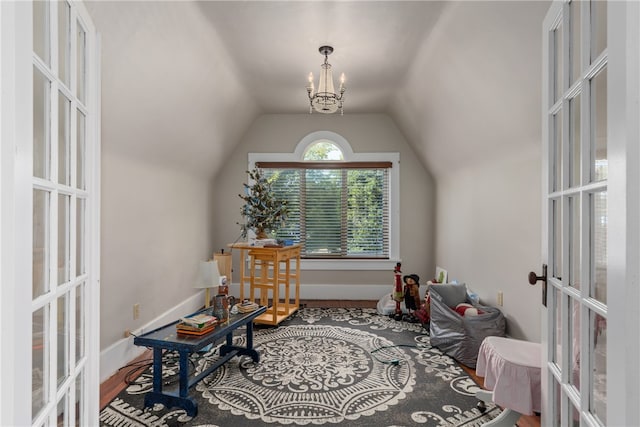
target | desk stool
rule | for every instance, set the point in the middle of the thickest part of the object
(512, 376)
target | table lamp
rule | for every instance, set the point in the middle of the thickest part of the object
(208, 277)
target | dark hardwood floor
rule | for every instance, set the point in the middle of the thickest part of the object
(118, 382)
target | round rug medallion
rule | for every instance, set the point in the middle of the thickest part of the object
(311, 374)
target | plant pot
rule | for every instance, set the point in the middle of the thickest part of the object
(261, 234)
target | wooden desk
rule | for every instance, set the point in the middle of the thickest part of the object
(167, 338)
(270, 269)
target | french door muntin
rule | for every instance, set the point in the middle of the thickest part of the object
(575, 35)
(61, 205)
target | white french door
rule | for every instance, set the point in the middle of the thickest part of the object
(50, 329)
(587, 199)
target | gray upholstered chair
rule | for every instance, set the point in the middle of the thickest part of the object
(460, 336)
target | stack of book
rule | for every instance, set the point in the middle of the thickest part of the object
(198, 324)
(247, 307)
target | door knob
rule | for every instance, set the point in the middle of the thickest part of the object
(534, 278)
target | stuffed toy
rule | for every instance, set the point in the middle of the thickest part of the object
(397, 291)
(411, 292)
(465, 309)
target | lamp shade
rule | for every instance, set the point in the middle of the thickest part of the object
(208, 275)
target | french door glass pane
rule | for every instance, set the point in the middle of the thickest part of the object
(40, 284)
(572, 415)
(40, 361)
(80, 321)
(574, 42)
(574, 342)
(81, 62)
(598, 371)
(64, 15)
(62, 328)
(557, 238)
(64, 206)
(80, 413)
(556, 339)
(64, 139)
(574, 141)
(598, 27)
(556, 151)
(80, 236)
(574, 242)
(63, 415)
(41, 40)
(81, 149)
(598, 244)
(556, 396)
(41, 125)
(557, 63)
(599, 165)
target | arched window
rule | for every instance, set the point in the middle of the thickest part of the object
(340, 202)
(323, 150)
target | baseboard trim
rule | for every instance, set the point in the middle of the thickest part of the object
(334, 292)
(124, 351)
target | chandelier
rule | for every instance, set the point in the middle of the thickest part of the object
(325, 100)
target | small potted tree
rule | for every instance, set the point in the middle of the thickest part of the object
(262, 211)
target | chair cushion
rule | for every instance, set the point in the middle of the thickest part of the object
(450, 294)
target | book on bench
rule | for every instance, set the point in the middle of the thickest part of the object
(198, 324)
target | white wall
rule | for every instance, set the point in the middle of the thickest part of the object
(365, 133)
(167, 126)
(156, 226)
(489, 236)
(471, 110)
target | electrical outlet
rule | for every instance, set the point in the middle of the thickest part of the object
(127, 333)
(136, 311)
(500, 298)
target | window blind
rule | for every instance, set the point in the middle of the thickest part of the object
(336, 209)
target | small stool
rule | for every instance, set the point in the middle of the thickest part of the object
(512, 371)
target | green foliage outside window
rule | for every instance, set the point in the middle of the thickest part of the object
(334, 212)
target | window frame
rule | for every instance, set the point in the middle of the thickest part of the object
(349, 156)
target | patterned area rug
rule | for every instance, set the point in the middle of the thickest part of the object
(350, 367)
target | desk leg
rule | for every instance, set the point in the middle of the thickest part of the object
(183, 400)
(250, 340)
(157, 370)
(184, 373)
(241, 351)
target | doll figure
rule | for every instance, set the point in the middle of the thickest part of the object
(411, 292)
(397, 291)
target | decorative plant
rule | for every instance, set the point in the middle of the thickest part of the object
(262, 211)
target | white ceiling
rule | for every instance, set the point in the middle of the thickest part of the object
(182, 81)
(274, 46)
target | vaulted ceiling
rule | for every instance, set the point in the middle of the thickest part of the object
(182, 81)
